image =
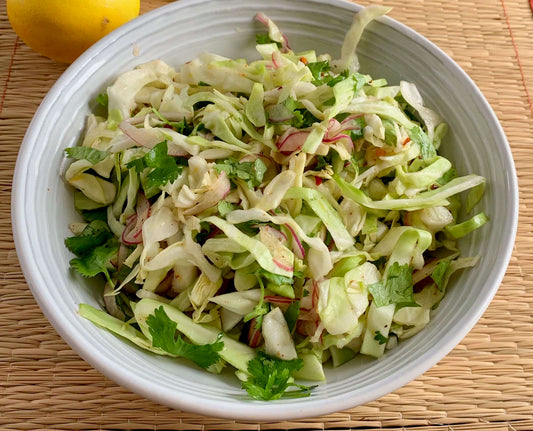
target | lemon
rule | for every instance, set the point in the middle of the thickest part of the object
(63, 29)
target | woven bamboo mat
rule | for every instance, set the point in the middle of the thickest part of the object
(485, 383)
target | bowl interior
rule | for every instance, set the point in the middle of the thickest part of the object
(43, 204)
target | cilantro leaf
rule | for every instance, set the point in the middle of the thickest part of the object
(250, 172)
(203, 235)
(297, 274)
(301, 118)
(97, 260)
(179, 126)
(380, 338)
(290, 103)
(103, 100)
(269, 378)
(250, 227)
(165, 168)
(318, 69)
(449, 175)
(341, 77)
(291, 315)
(260, 309)
(274, 278)
(95, 233)
(427, 150)
(438, 273)
(87, 153)
(397, 288)
(163, 331)
(97, 214)
(224, 208)
(322, 163)
(360, 81)
(358, 133)
(263, 38)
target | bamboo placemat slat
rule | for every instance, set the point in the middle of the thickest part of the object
(485, 383)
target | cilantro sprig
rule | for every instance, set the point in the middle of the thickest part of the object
(164, 168)
(163, 331)
(251, 173)
(427, 150)
(95, 233)
(182, 126)
(97, 261)
(87, 153)
(396, 288)
(271, 377)
(292, 314)
(263, 38)
(438, 273)
(319, 71)
(302, 118)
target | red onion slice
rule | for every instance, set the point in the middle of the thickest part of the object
(276, 59)
(297, 247)
(282, 265)
(262, 18)
(291, 142)
(146, 139)
(281, 300)
(350, 118)
(132, 233)
(336, 138)
(254, 334)
(280, 236)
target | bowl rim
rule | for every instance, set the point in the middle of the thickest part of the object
(255, 411)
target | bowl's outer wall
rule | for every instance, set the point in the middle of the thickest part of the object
(42, 203)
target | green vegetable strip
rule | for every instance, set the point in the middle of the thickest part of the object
(325, 212)
(422, 200)
(460, 230)
(257, 249)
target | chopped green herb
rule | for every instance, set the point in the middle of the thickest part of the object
(341, 77)
(264, 38)
(380, 338)
(270, 378)
(224, 208)
(95, 233)
(449, 175)
(86, 153)
(397, 287)
(318, 70)
(163, 331)
(250, 172)
(103, 100)
(291, 315)
(97, 261)
(438, 273)
(427, 150)
(179, 126)
(274, 278)
(165, 168)
(97, 214)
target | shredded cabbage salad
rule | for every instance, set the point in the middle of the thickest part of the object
(272, 216)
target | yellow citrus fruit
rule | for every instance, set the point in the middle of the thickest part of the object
(63, 29)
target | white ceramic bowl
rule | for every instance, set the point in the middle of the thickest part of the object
(43, 207)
